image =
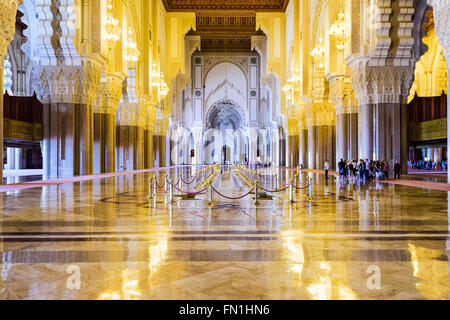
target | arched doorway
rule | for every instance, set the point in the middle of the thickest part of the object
(224, 120)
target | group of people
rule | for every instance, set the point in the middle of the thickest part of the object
(364, 169)
(428, 165)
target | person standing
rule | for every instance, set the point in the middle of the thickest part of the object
(397, 169)
(326, 167)
(341, 168)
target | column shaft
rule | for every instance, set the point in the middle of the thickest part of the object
(312, 150)
(303, 148)
(140, 147)
(85, 139)
(10, 158)
(109, 125)
(448, 121)
(18, 158)
(342, 136)
(353, 136)
(366, 146)
(148, 151)
(380, 130)
(1, 119)
(99, 154)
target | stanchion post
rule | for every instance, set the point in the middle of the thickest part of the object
(310, 188)
(210, 191)
(154, 192)
(171, 192)
(165, 191)
(257, 192)
(291, 191)
(296, 183)
(150, 188)
(277, 181)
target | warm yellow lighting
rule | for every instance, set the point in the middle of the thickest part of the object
(130, 284)
(339, 31)
(132, 52)
(157, 254)
(321, 290)
(109, 295)
(111, 32)
(155, 76)
(287, 90)
(317, 52)
(163, 89)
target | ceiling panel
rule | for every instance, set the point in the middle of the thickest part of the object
(200, 5)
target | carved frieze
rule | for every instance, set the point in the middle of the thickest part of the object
(199, 5)
(373, 84)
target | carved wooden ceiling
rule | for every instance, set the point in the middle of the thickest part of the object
(226, 30)
(200, 5)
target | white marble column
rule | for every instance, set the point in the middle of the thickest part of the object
(366, 144)
(198, 141)
(303, 147)
(10, 158)
(8, 9)
(441, 12)
(380, 132)
(18, 158)
(342, 136)
(353, 136)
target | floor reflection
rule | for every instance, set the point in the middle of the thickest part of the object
(326, 248)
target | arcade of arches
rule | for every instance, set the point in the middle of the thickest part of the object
(112, 91)
(297, 83)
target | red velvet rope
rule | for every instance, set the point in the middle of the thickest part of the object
(231, 198)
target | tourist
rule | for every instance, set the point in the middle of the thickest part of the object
(397, 169)
(386, 170)
(341, 168)
(326, 167)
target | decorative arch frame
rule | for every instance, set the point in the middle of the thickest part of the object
(238, 107)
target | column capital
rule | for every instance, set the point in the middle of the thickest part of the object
(110, 92)
(342, 94)
(441, 12)
(320, 114)
(70, 84)
(377, 84)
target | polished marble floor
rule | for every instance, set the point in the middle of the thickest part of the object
(351, 241)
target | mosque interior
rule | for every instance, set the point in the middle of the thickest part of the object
(212, 149)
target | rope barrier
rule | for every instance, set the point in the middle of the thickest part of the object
(187, 192)
(188, 182)
(301, 188)
(232, 198)
(156, 182)
(274, 191)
